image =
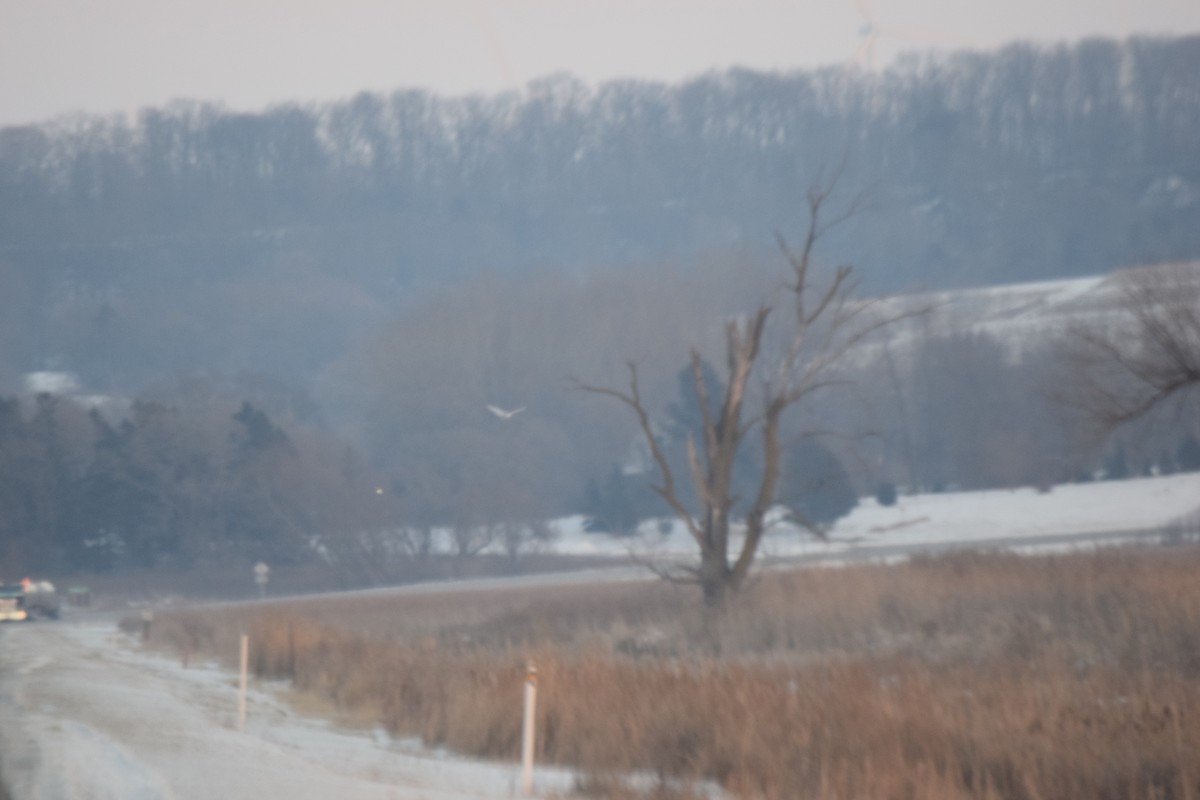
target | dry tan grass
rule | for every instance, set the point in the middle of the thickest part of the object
(967, 676)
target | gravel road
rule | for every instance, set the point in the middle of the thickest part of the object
(85, 714)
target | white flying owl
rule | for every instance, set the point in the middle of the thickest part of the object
(502, 414)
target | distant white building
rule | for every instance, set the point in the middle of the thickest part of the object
(48, 382)
(65, 384)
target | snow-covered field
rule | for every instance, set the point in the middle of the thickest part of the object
(1024, 315)
(1083, 509)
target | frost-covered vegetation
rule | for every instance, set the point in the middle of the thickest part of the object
(981, 676)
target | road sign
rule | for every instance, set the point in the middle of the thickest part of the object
(261, 573)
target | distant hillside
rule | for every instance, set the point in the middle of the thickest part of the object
(1026, 316)
(191, 237)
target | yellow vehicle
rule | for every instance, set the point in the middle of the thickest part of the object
(12, 604)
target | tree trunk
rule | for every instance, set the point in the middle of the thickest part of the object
(716, 581)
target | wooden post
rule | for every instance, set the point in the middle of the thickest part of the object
(527, 731)
(245, 665)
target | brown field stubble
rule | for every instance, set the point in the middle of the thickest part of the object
(982, 676)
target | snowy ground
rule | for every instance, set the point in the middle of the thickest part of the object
(1085, 509)
(86, 715)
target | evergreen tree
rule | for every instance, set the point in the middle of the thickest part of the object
(55, 471)
(121, 510)
(815, 485)
(1187, 457)
(266, 516)
(18, 513)
(684, 416)
(620, 504)
(256, 434)
(1116, 468)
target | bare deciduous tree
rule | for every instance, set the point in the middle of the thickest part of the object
(1143, 357)
(825, 325)
(521, 538)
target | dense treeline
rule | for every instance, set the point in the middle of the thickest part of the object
(121, 240)
(205, 471)
(156, 486)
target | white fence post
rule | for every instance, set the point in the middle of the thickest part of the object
(245, 664)
(527, 732)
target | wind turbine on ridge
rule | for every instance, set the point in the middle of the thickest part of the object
(870, 32)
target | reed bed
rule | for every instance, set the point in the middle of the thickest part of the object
(969, 676)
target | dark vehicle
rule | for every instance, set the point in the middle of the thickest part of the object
(41, 600)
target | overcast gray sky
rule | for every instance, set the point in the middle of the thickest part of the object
(59, 56)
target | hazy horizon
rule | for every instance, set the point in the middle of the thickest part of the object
(68, 55)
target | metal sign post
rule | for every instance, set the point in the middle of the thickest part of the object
(261, 574)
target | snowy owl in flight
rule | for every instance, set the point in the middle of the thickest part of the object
(502, 414)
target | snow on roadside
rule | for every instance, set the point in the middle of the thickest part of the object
(88, 715)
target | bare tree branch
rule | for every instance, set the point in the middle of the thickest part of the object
(1147, 357)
